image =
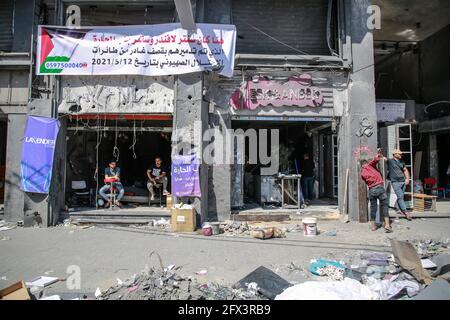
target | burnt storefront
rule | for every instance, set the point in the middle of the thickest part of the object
(308, 85)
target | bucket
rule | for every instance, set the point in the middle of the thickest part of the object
(207, 229)
(215, 226)
(309, 227)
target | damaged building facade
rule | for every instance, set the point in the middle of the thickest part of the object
(317, 53)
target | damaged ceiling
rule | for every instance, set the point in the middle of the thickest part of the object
(411, 20)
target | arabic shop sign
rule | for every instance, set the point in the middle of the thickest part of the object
(153, 50)
(261, 92)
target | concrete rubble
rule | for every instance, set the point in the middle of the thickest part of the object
(169, 284)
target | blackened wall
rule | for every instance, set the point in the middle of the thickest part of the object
(421, 74)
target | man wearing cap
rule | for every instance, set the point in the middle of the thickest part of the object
(399, 177)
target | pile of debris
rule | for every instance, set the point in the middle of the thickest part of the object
(236, 228)
(259, 230)
(167, 284)
(405, 274)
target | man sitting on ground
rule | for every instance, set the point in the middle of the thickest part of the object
(112, 176)
(157, 176)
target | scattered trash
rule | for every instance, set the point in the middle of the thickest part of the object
(132, 289)
(98, 293)
(207, 230)
(267, 233)
(309, 227)
(48, 272)
(53, 297)
(5, 238)
(331, 234)
(236, 227)
(42, 281)
(170, 267)
(252, 288)
(377, 259)
(387, 289)
(164, 284)
(438, 290)
(119, 282)
(407, 257)
(269, 283)
(17, 291)
(428, 264)
(348, 289)
(6, 226)
(215, 227)
(202, 272)
(319, 267)
(442, 263)
(4, 278)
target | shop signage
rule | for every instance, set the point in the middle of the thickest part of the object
(185, 176)
(38, 149)
(261, 92)
(152, 50)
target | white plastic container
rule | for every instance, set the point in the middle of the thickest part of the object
(309, 227)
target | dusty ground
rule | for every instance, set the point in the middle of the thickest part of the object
(107, 253)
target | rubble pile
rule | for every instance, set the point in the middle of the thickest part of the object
(411, 272)
(236, 227)
(168, 284)
(431, 248)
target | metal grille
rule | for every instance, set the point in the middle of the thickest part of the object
(6, 24)
(301, 24)
(102, 15)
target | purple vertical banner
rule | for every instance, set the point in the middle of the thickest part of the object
(38, 151)
(185, 176)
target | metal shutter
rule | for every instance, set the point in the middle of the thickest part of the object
(301, 24)
(6, 23)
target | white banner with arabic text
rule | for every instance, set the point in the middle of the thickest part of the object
(153, 50)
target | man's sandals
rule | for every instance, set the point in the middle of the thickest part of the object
(407, 216)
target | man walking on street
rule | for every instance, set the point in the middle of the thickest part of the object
(399, 177)
(372, 177)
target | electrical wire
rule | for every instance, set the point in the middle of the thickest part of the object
(116, 151)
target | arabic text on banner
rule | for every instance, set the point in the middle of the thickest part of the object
(153, 50)
(185, 176)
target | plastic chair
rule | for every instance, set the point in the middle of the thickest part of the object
(80, 192)
(112, 192)
(429, 184)
(159, 187)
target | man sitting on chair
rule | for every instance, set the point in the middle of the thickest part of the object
(112, 175)
(157, 176)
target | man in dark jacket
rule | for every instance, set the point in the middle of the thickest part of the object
(372, 177)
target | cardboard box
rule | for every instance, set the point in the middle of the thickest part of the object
(169, 202)
(17, 291)
(183, 220)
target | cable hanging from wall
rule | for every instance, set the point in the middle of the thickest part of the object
(116, 151)
(134, 140)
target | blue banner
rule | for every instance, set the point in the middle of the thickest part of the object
(185, 176)
(38, 151)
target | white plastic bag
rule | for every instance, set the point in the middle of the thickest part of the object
(348, 289)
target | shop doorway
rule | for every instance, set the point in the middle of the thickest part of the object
(3, 137)
(252, 190)
(133, 144)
